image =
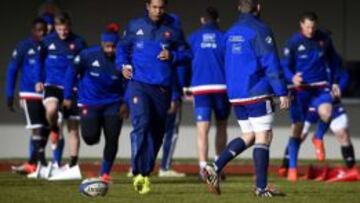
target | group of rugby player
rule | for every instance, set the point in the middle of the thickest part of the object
(142, 74)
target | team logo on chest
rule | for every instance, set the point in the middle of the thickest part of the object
(52, 47)
(140, 32)
(31, 52)
(96, 63)
(301, 47)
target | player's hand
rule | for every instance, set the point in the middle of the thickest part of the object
(164, 55)
(173, 107)
(284, 102)
(127, 72)
(67, 103)
(10, 104)
(124, 111)
(39, 87)
(336, 91)
(187, 94)
(297, 79)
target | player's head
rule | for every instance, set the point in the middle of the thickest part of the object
(63, 25)
(249, 6)
(109, 39)
(156, 9)
(211, 15)
(308, 24)
(38, 28)
(49, 19)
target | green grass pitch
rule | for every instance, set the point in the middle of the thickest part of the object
(15, 188)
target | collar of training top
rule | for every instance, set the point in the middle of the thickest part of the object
(243, 16)
(165, 20)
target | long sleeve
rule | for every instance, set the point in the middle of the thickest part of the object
(71, 76)
(266, 51)
(124, 48)
(288, 62)
(12, 71)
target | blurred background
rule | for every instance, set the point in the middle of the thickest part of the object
(341, 17)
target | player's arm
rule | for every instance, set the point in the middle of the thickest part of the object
(123, 52)
(288, 64)
(11, 75)
(182, 52)
(266, 52)
(175, 94)
(71, 77)
(39, 70)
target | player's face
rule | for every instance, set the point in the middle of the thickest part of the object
(156, 9)
(109, 48)
(39, 31)
(62, 30)
(308, 28)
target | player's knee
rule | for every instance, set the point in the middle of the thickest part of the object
(264, 137)
(91, 138)
(325, 112)
(343, 137)
(297, 129)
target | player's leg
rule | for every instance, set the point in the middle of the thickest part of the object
(233, 149)
(170, 140)
(52, 100)
(222, 110)
(298, 112)
(339, 126)
(140, 119)
(202, 105)
(112, 128)
(72, 116)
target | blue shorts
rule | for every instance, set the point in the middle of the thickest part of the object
(257, 117)
(205, 104)
(304, 99)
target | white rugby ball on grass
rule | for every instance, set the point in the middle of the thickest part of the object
(93, 187)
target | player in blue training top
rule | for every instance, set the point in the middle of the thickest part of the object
(208, 85)
(307, 55)
(253, 77)
(57, 54)
(100, 96)
(339, 125)
(147, 55)
(23, 63)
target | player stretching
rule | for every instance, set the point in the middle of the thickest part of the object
(307, 55)
(208, 84)
(100, 91)
(57, 54)
(151, 47)
(24, 61)
(253, 76)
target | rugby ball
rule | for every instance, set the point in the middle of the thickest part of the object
(93, 187)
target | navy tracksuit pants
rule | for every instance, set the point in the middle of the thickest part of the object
(148, 110)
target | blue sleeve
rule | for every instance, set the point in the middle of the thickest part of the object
(13, 69)
(39, 70)
(334, 61)
(288, 62)
(175, 88)
(124, 48)
(342, 78)
(266, 52)
(71, 76)
(126, 97)
(182, 52)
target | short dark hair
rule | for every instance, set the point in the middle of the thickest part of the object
(149, 1)
(62, 18)
(308, 15)
(38, 20)
(248, 6)
(211, 14)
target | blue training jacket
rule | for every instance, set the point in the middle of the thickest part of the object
(56, 56)
(208, 71)
(99, 83)
(252, 66)
(311, 57)
(142, 43)
(24, 60)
